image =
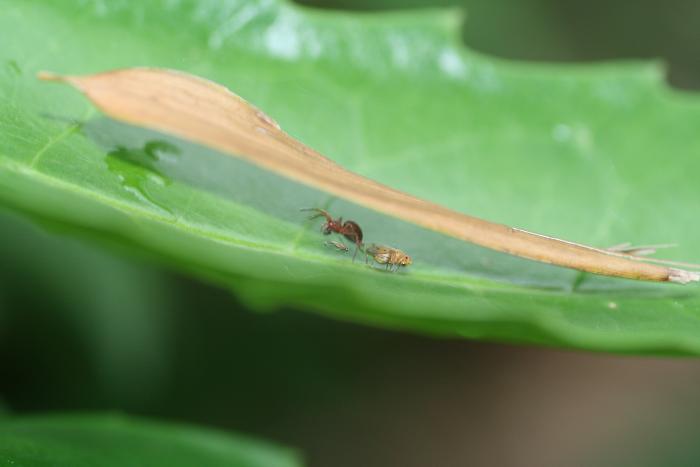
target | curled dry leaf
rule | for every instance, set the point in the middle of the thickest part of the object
(207, 113)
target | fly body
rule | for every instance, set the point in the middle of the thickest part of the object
(392, 257)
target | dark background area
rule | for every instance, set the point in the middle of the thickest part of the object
(570, 30)
(88, 328)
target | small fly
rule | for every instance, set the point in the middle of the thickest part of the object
(393, 258)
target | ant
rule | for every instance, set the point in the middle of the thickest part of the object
(348, 229)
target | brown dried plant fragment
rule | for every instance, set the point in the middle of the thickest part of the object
(207, 113)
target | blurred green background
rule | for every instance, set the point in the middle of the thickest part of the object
(347, 395)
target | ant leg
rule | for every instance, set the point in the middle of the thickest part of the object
(358, 247)
(319, 213)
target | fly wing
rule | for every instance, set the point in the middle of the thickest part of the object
(382, 258)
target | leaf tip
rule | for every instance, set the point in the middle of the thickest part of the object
(681, 276)
(50, 76)
(75, 81)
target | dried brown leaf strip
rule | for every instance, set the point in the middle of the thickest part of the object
(207, 113)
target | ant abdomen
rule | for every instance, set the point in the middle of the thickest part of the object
(352, 231)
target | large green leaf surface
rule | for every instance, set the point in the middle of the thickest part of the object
(598, 154)
(115, 440)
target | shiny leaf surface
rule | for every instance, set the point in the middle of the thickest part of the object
(595, 154)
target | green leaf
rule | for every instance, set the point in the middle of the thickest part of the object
(114, 440)
(594, 154)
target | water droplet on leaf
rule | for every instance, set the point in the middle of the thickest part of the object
(136, 169)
